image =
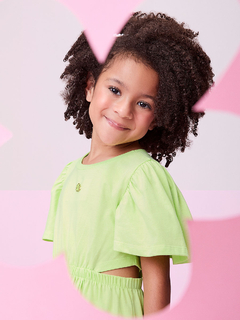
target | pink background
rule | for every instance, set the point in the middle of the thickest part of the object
(35, 40)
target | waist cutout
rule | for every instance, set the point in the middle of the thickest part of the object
(106, 279)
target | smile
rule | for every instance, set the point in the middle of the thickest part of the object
(116, 125)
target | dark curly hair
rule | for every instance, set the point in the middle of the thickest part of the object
(184, 70)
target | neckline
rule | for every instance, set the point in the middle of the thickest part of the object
(84, 166)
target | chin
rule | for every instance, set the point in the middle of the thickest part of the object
(113, 143)
(110, 140)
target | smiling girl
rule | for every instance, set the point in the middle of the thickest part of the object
(121, 107)
(116, 212)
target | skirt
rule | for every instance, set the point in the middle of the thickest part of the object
(117, 295)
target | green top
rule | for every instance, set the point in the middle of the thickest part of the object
(106, 215)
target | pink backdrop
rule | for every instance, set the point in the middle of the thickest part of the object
(45, 290)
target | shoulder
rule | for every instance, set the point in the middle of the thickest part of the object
(63, 175)
(151, 171)
(140, 162)
(151, 180)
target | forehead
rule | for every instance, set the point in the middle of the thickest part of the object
(132, 73)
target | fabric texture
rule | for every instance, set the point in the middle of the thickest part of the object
(107, 215)
(118, 295)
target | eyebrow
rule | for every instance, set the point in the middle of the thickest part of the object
(123, 84)
(150, 97)
(118, 81)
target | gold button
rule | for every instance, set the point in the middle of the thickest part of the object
(78, 187)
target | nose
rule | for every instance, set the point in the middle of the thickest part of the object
(124, 109)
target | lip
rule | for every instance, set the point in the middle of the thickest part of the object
(116, 125)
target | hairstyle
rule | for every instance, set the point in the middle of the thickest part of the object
(184, 70)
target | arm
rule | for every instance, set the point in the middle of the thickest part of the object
(156, 282)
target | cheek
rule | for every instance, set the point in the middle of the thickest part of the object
(148, 120)
(97, 107)
(101, 102)
(90, 112)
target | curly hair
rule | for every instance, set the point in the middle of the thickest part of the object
(173, 51)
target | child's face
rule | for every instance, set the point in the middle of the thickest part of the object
(122, 102)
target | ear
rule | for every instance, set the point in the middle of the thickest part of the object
(90, 87)
(152, 125)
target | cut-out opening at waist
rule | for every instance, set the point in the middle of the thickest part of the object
(111, 280)
(126, 272)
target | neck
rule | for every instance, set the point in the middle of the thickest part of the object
(100, 152)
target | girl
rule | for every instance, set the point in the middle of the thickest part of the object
(116, 212)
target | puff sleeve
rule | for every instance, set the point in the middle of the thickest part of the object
(55, 193)
(150, 218)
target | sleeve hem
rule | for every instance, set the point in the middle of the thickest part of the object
(47, 236)
(178, 254)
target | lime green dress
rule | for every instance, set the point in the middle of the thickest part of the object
(106, 216)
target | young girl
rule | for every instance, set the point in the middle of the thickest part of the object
(116, 212)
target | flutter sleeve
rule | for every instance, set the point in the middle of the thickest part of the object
(55, 193)
(151, 216)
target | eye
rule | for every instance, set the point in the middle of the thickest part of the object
(115, 90)
(144, 105)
